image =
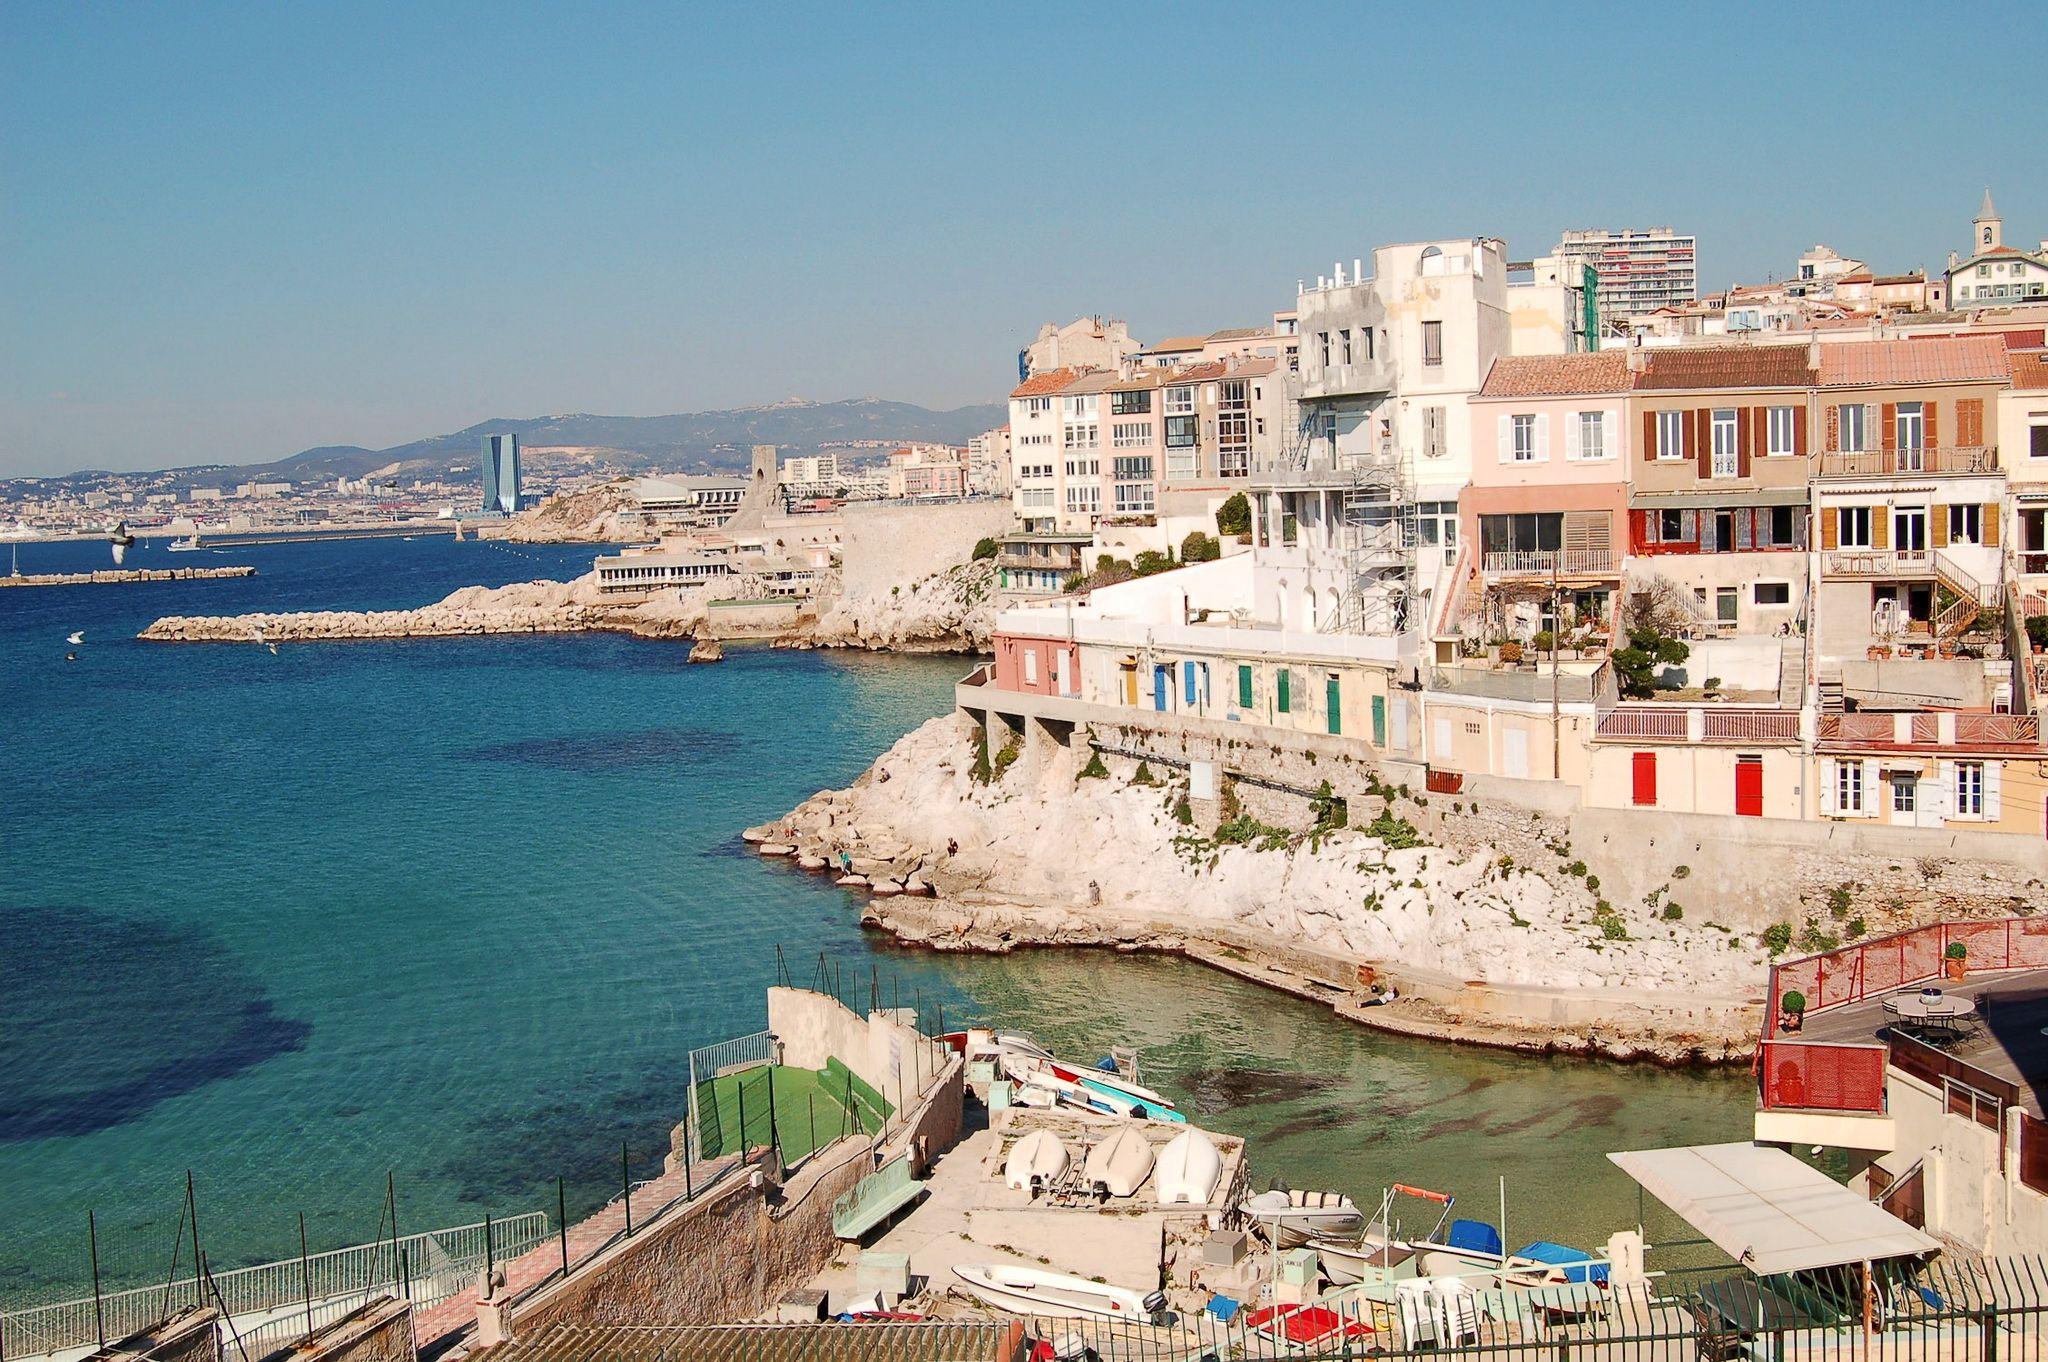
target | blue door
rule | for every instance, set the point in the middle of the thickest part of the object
(1162, 687)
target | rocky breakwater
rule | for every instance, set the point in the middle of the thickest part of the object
(1077, 852)
(522, 608)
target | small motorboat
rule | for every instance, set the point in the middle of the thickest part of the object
(1141, 1101)
(1076, 1095)
(1186, 1172)
(1035, 1162)
(1465, 1245)
(1292, 1216)
(189, 544)
(1545, 1263)
(1373, 1258)
(1034, 1291)
(1119, 1165)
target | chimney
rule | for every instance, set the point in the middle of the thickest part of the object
(1358, 268)
(1813, 351)
(1951, 259)
(1637, 361)
(1337, 273)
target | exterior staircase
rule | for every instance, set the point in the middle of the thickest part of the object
(1972, 597)
(1830, 686)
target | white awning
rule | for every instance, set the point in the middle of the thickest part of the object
(1769, 1211)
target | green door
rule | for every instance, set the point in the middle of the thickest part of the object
(1379, 721)
(1283, 700)
(1244, 686)
(1333, 700)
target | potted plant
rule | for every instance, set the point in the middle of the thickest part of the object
(1955, 962)
(1511, 653)
(1793, 1005)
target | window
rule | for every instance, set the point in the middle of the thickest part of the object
(1432, 343)
(1081, 437)
(1290, 527)
(1085, 497)
(1969, 801)
(1909, 529)
(1670, 527)
(1082, 406)
(2037, 441)
(1036, 405)
(1912, 426)
(1854, 525)
(1132, 468)
(1030, 666)
(1849, 787)
(1850, 432)
(1783, 431)
(1324, 337)
(1134, 498)
(1432, 428)
(1527, 532)
(1180, 401)
(1130, 434)
(1035, 499)
(1773, 593)
(1966, 523)
(1905, 794)
(1726, 463)
(1130, 404)
(1523, 445)
(1670, 434)
(1180, 432)
(1344, 343)
(1592, 435)
(1782, 527)
(1084, 468)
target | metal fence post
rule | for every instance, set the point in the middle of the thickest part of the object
(1991, 1332)
(774, 1143)
(92, 1240)
(192, 1210)
(305, 1275)
(490, 1259)
(740, 1091)
(562, 1220)
(689, 1190)
(626, 1181)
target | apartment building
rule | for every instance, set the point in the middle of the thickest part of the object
(1718, 479)
(1909, 496)
(1640, 269)
(2023, 456)
(1036, 435)
(1084, 343)
(1548, 501)
(988, 463)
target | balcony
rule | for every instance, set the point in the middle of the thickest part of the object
(1301, 469)
(1938, 729)
(1698, 724)
(1877, 563)
(1549, 563)
(1894, 463)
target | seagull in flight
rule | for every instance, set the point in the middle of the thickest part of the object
(75, 637)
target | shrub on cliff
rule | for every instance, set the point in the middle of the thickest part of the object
(1151, 562)
(1635, 667)
(1094, 770)
(984, 548)
(1199, 548)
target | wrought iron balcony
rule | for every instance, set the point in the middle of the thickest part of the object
(1892, 463)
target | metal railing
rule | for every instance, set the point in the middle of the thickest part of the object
(1876, 562)
(1871, 463)
(1546, 562)
(425, 1268)
(1624, 722)
(707, 1062)
(1674, 723)
(1873, 968)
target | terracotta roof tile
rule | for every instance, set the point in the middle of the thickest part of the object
(2029, 370)
(1178, 343)
(1725, 366)
(1051, 381)
(1953, 359)
(1604, 371)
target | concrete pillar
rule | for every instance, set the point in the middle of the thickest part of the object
(1695, 725)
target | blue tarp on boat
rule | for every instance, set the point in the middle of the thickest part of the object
(1543, 1251)
(1474, 1236)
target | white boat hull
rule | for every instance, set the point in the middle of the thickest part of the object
(1119, 1165)
(1187, 1170)
(1035, 1161)
(1029, 1291)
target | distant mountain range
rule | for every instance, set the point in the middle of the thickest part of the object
(710, 439)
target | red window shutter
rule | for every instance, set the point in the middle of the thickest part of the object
(1703, 441)
(1748, 436)
(1799, 418)
(1888, 427)
(1646, 778)
(1932, 411)
(1650, 450)
(1638, 530)
(1834, 426)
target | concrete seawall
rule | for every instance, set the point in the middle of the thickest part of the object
(126, 576)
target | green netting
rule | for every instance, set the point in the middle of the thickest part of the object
(811, 1109)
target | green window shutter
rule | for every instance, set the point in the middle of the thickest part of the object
(1379, 721)
(1244, 686)
(1286, 688)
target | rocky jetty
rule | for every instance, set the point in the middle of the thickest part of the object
(949, 611)
(1063, 858)
(707, 650)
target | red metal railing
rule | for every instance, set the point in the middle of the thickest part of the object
(1872, 968)
(1752, 725)
(1820, 1075)
(1924, 730)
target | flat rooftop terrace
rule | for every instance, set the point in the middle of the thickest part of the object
(2006, 1039)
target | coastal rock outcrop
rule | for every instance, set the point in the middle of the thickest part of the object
(1053, 857)
(606, 514)
(948, 611)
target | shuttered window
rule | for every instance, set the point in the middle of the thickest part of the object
(1244, 686)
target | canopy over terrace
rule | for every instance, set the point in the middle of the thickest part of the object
(1769, 1211)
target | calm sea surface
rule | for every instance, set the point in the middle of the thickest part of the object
(454, 911)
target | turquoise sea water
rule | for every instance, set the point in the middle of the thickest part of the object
(454, 911)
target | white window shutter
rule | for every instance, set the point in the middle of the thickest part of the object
(1542, 438)
(1950, 806)
(1829, 788)
(1507, 439)
(1873, 780)
(1611, 431)
(1571, 437)
(1993, 770)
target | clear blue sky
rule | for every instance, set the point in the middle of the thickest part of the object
(234, 231)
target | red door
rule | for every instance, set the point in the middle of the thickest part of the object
(1646, 777)
(1749, 787)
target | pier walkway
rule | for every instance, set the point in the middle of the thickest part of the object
(124, 576)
